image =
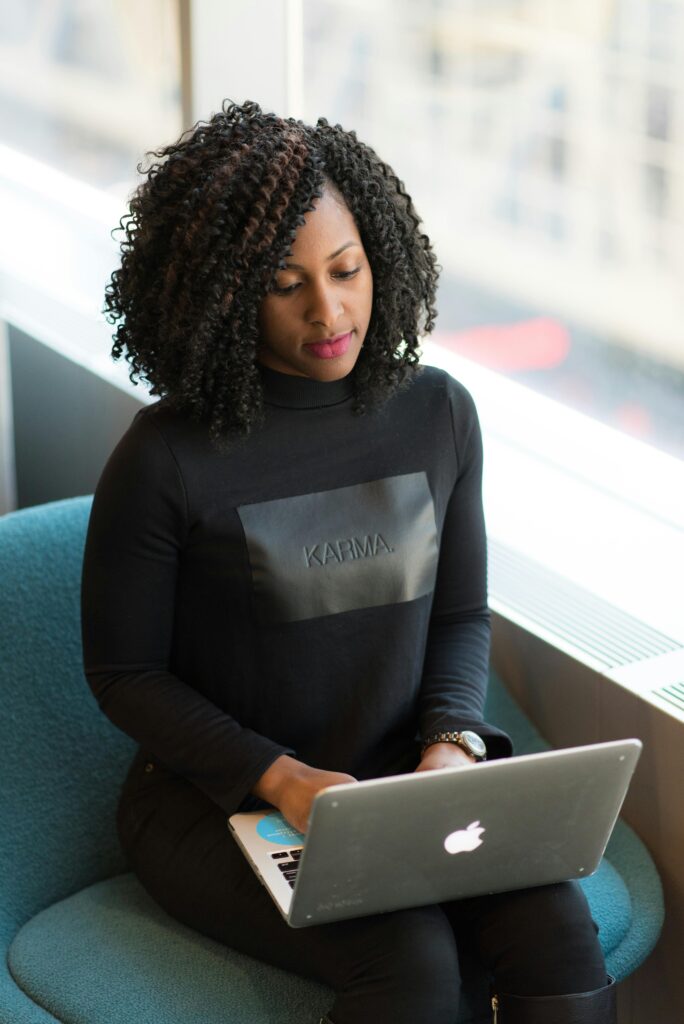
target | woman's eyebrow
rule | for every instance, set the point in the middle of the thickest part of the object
(298, 266)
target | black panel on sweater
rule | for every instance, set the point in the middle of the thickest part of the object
(342, 549)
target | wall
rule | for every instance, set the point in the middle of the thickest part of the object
(66, 422)
(571, 705)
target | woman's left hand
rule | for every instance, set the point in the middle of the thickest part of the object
(444, 755)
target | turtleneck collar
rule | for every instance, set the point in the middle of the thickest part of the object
(294, 392)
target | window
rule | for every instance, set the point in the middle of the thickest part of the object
(89, 87)
(542, 145)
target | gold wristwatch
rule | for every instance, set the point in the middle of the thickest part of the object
(466, 740)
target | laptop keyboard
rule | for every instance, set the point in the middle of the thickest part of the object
(288, 862)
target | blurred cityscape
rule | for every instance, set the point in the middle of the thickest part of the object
(541, 141)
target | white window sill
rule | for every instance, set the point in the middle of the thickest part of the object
(599, 508)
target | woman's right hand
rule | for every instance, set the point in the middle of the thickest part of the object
(291, 786)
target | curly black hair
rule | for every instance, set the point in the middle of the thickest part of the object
(207, 231)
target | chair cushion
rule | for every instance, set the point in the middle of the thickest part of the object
(110, 954)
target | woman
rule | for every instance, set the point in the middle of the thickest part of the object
(284, 583)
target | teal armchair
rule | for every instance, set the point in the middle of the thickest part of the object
(82, 941)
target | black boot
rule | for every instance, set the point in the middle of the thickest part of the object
(597, 1007)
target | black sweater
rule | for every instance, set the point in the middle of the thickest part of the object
(320, 590)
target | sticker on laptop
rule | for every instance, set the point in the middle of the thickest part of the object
(275, 829)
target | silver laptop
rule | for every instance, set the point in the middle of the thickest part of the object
(446, 834)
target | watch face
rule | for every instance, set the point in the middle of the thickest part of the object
(475, 742)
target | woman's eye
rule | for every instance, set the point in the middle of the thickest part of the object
(347, 273)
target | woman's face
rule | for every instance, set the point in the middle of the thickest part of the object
(325, 295)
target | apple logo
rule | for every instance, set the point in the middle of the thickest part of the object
(465, 839)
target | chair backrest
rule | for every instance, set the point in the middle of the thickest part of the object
(62, 761)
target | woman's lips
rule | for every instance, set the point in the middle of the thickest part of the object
(329, 349)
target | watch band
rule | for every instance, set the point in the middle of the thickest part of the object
(456, 738)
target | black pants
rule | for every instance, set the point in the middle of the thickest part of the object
(400, 968)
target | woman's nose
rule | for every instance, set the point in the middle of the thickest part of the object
(325, 306)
